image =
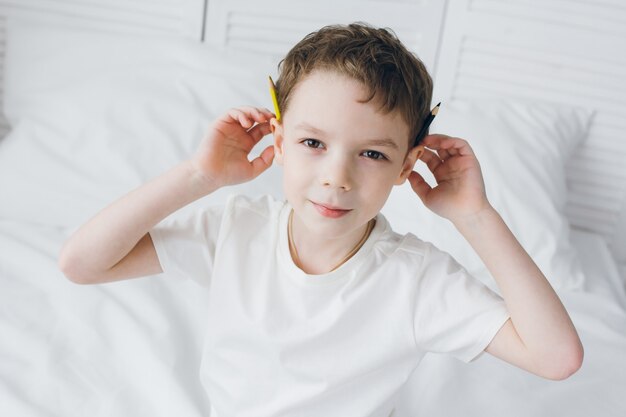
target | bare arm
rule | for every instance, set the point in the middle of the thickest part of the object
(97, 251)
(115, 244)
(540, 336)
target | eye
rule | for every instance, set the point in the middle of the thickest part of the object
(374, 155)
(312, 143)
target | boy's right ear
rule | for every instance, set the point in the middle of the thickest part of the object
(277, 131)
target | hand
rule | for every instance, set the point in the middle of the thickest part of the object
(460, 189)
(222, 157)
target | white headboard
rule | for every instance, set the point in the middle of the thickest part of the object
(274, 27)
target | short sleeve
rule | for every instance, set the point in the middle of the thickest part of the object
(185, 243)
(454, 312)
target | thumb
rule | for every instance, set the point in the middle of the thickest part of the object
(419, 185)
(263, 161)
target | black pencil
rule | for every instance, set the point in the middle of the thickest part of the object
(427, 122)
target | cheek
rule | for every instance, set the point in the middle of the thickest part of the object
(379, 175)
(295, 172)
(379, 199)
(374, 184)
(295, 161)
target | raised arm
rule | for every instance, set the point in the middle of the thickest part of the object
(115, 244)
(540, 336)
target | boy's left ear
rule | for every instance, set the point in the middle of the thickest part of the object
(409, 162)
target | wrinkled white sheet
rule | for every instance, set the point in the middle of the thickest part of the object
(133, 348)
(125, 349)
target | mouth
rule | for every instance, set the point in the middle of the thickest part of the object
(331, 211)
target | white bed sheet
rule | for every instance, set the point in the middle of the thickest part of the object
(125, 349)
(133, 348)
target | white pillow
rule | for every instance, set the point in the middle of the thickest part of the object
(96, 114)
(522, 148)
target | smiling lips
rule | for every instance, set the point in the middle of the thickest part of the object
(330, 211)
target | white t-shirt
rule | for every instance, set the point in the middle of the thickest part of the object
(280, 342)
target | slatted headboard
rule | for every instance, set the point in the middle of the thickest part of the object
(274, 27)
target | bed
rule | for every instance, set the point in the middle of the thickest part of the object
(99, 97)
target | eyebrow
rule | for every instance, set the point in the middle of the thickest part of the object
(383, 142)
(309, 128)
(375, 142)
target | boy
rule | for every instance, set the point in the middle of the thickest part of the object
(316, 307)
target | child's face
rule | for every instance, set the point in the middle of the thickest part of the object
(339, 153)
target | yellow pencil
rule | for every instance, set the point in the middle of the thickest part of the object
(274, 99)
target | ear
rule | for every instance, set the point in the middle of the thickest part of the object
(277, 130)
(409, 162)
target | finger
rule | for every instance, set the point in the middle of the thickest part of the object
(431, 159)
(419, 185)
(260, 130)
(258, 114)
(263, 161)
(454, 146)
(239, 116)
(269, 112)
(433, 140)
(247, 115)
(451, 151)
(444, 154)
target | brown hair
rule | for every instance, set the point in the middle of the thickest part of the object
(395, 77)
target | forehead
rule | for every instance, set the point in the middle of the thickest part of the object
(332, 102)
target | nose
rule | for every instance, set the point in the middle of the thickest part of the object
(337, 174)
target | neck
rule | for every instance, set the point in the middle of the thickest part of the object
(317, 254)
